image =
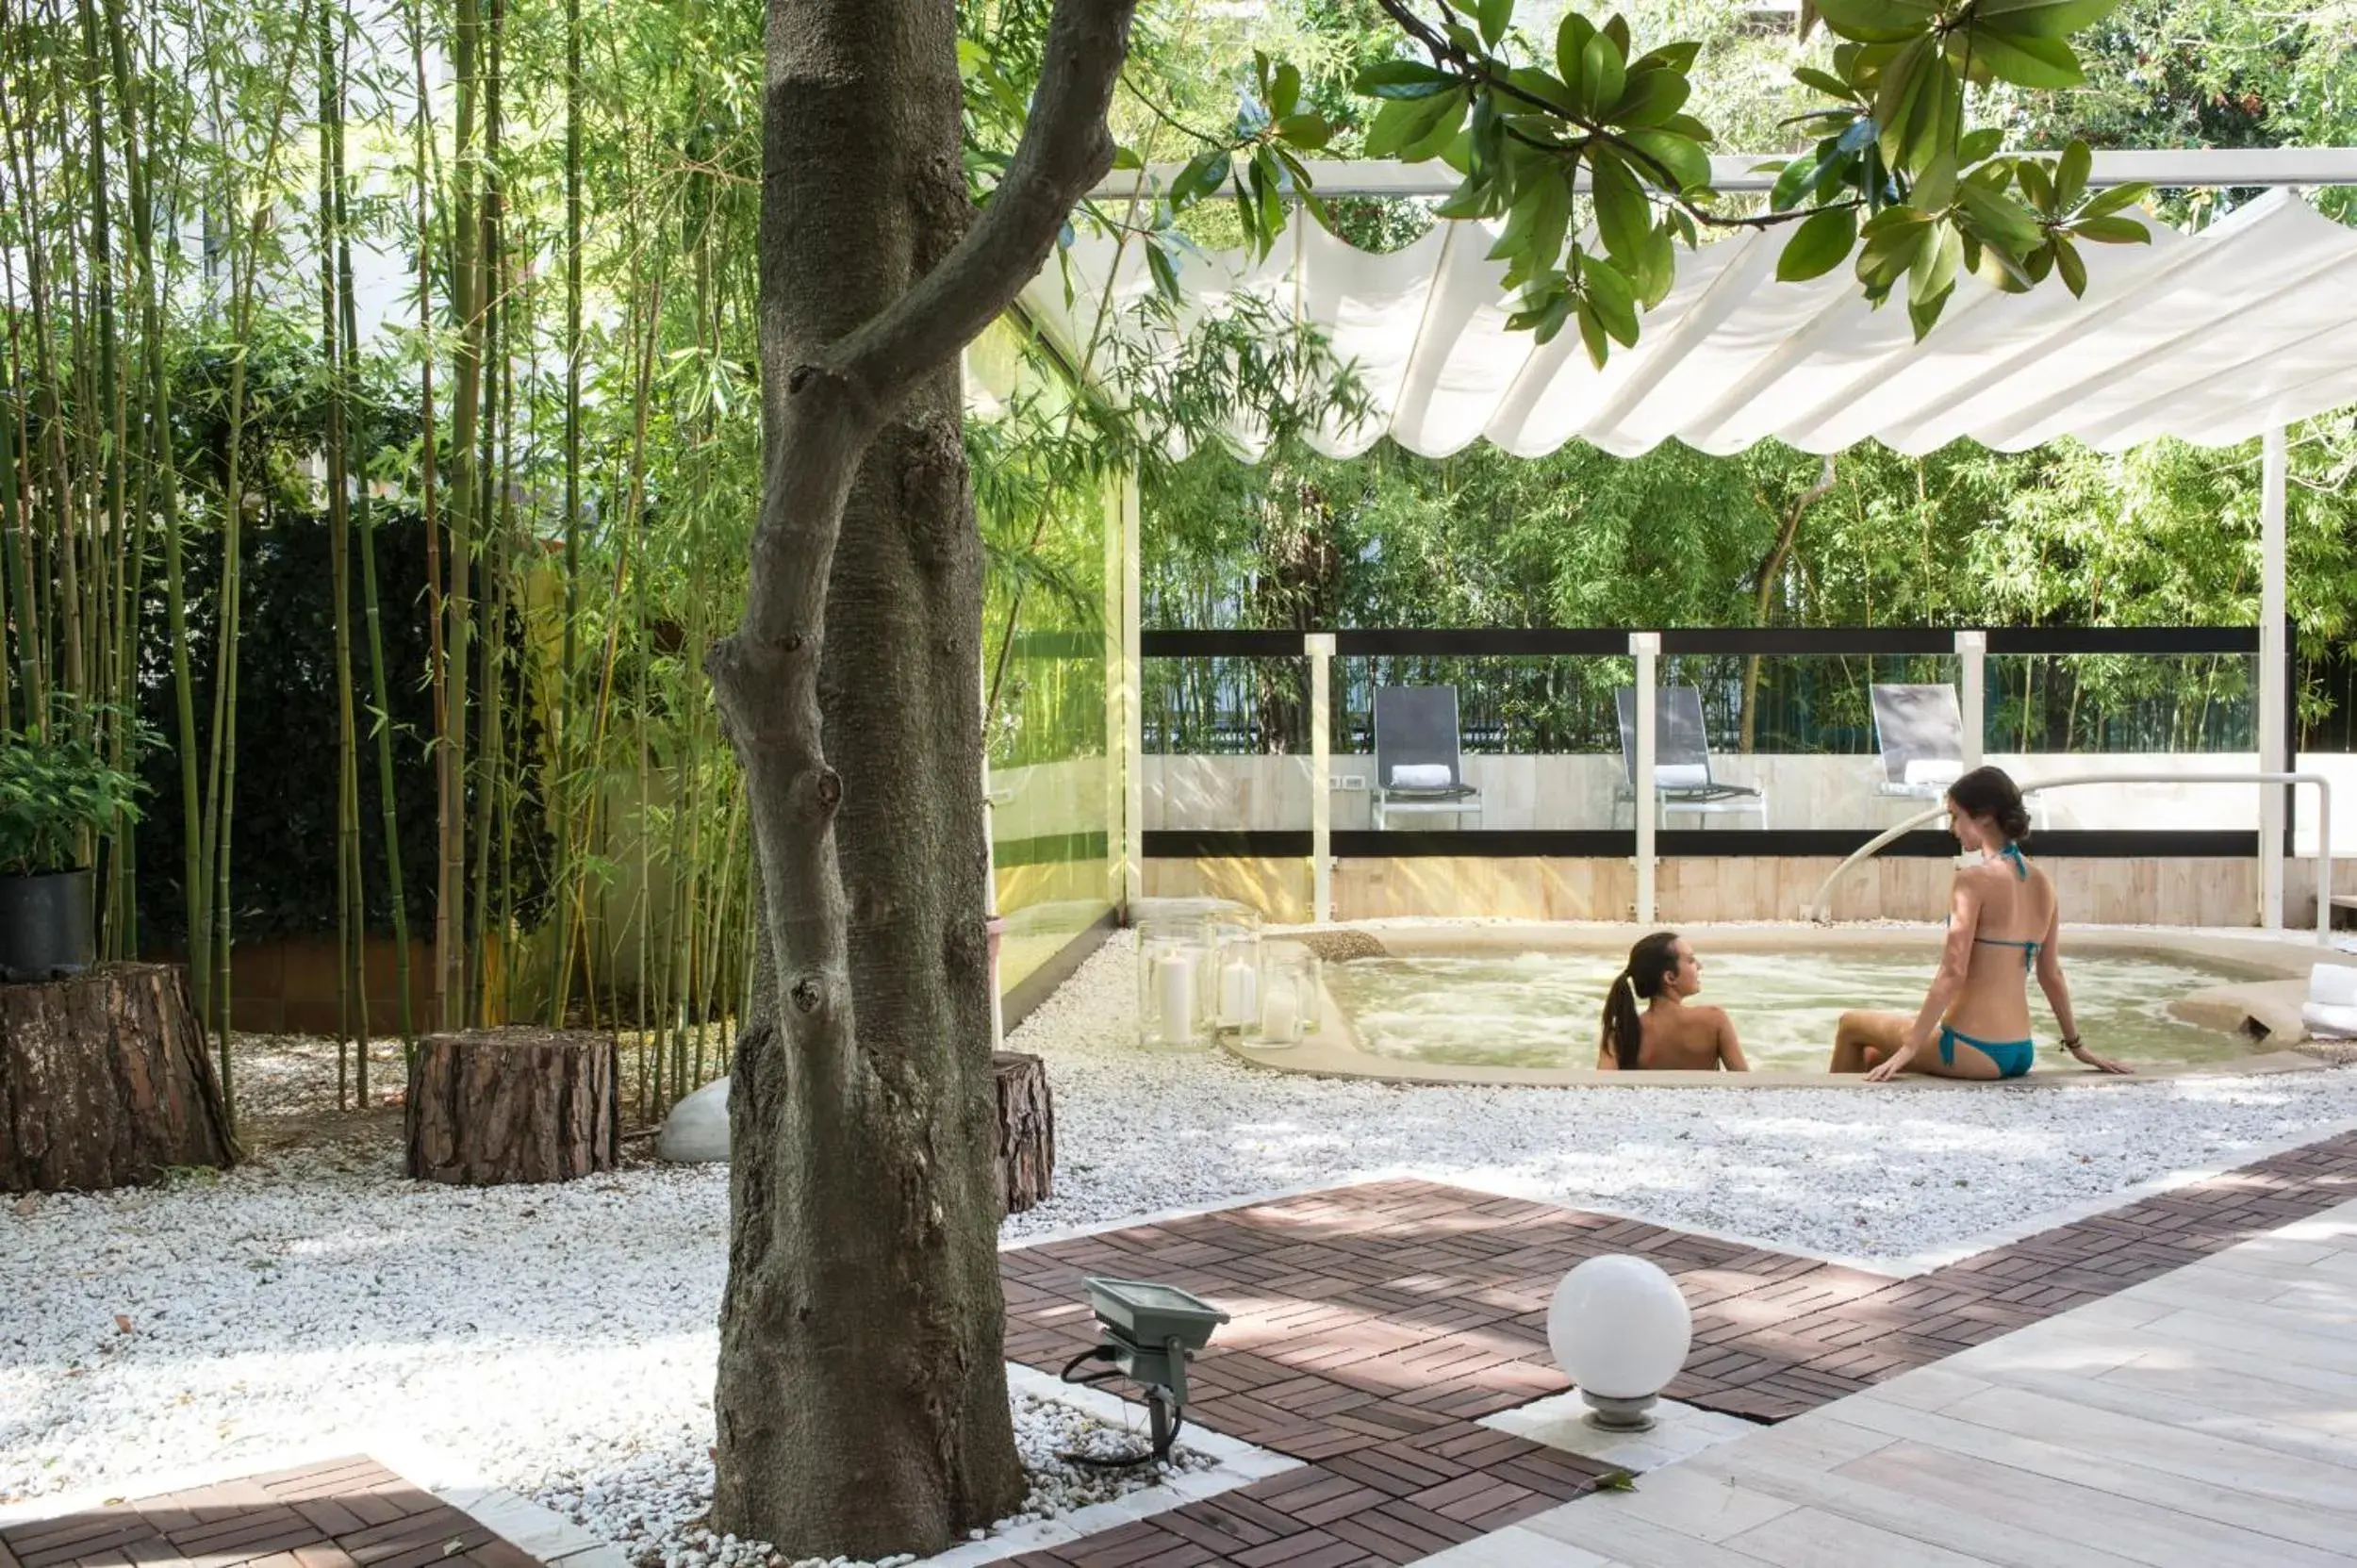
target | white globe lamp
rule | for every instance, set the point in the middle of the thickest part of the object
(1620, 1330)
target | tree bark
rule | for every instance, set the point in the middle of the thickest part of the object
(488, 1107)
(104, 1083)
(1027, 1131)
(861, 1401)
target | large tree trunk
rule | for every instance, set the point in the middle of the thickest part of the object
(862, 1400)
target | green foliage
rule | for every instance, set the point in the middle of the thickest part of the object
(1532, 131)
(59, 793)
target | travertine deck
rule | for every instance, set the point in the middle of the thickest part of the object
(2205, 1418)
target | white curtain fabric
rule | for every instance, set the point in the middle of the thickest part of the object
(2212, 337)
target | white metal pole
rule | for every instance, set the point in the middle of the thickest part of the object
(1973, 649)
(1320, 648)
(2274, 669)
(1133, 698)
(1646, 646)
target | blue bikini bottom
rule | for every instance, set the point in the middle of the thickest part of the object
(2013, 1057)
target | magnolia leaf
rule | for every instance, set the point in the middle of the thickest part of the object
(2038, 186)
(1444, 130)
(2045, 18)
(1679, 56)
(2070, 173)
(1824, 81)
(1979, 146)
(1657, 267)
(1603, 73)
(1686, 167)
(1307, 131)
(1571, 45)
(1616, 28)
(1895, 92)
(1591, 332)
(1818, 245)
(1494, 16)
(2117, 199)
(1543, 86)
(2111, 231)
(1623, 217)
(1284, 92)
(2023, 60)
(1933, 274)
(1402, 79)
(2070, 264)
(1800, 180)
(1997, 217)
(1922, 315)
(1613, 298)
(1651, 96)
(1126, 159)
(1877, 21)
(1403, 123)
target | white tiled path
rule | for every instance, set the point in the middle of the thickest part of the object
(2206, 1418)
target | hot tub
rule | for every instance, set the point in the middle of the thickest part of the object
(1519, 1003)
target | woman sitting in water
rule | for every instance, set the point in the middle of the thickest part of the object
(1669, 1035)
(2003, 924)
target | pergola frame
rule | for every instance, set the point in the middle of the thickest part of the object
(2293, 168)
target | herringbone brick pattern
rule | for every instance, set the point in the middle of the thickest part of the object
(1374, 1325)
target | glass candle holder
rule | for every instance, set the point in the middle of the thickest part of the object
(1288, 997)
(1174, 973)
(1236, 968)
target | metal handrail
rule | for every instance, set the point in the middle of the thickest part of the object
(1820, 907)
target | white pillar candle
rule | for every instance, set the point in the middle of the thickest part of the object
(1280, 1017)
(1239, 981)
(1174, 991)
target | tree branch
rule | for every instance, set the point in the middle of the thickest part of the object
(1064, 151)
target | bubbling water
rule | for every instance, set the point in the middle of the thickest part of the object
(1543, 1009)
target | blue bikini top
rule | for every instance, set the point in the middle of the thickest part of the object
(2022, 873)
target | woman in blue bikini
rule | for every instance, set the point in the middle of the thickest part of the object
(2003, 924)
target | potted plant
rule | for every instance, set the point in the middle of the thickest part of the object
(57, 794)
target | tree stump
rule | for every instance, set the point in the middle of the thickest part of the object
(1026, 1131)
(104, 1081)
(492, 1106)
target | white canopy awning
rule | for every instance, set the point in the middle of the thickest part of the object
(2213, 338)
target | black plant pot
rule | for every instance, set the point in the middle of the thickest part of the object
(47, 926)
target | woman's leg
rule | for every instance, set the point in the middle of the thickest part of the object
(1863, 1040)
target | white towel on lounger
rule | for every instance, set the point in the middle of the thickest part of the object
(1421, 775)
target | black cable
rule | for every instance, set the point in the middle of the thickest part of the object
(1119, 1462)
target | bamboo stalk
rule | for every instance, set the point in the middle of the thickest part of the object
(563, 793)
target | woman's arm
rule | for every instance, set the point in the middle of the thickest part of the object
(2049, 980)
(1955, 956)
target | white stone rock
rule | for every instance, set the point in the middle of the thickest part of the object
(697, 1130)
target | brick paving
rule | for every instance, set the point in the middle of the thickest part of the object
(349, 1512)
(1376, 1324)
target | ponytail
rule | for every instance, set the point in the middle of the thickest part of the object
(1650, 963)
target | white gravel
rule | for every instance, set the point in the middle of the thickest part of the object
(559, 1340)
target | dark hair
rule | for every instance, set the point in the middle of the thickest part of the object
(1651, 963)
(1989, 793)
